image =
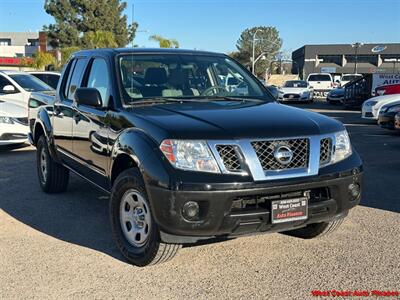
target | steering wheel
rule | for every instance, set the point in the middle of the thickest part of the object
(207, 91)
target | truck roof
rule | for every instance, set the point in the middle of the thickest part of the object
(116, 51)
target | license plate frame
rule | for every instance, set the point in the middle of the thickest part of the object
(289, 210)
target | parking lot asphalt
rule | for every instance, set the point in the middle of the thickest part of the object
(60, 246)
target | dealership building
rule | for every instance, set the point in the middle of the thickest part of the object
(17, 45)
(346, 59)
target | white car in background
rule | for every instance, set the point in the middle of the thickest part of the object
(346, 78)
(322, 83)
(371, 107)
(297, 90)
(13, 123)
(51, 78)
(17, 86)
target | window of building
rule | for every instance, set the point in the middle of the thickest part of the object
(33, 42)
(5, 42)
(330, 59)
(390, 57)
(370, 59)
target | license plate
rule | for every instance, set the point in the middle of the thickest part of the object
(290, 96)
(289, 210)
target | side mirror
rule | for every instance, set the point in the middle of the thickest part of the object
(88, 96)
(9, 89)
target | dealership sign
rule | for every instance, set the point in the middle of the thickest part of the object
(378, 49)
(12, 61)
(328, 70)
(384, 79)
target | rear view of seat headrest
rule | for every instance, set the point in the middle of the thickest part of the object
(155, 76)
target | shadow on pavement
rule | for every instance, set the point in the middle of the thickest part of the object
(78, 216)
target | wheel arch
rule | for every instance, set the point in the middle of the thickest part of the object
(133, 148)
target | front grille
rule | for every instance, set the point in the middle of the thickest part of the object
(229, 157)
(23, 121)
(325, 151)
(291, 96)
(265, 152)
(13, 136)
(369, 114)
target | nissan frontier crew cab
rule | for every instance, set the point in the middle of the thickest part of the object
(185, 157)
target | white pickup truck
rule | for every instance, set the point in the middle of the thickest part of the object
(321, 82)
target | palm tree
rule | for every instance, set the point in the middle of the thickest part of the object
(163, 42)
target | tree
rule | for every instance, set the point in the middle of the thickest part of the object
(43, 59)
(66, 53)
(74, 18)
(267, 42)
(99, 39)
(164, 42)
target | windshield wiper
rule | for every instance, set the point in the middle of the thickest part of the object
(231, 98)
(157, 100)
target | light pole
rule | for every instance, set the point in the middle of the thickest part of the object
(253, 62)
(356, 46)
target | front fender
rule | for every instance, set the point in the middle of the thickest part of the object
(144, 152)
(43, 123)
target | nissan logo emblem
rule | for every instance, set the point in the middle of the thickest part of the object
(283, 154)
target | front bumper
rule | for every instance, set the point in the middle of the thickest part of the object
(13, 134)
(219, 220)
(366, 113)
(336, 99)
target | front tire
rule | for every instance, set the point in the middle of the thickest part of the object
(136, 234)
(316, 230)
(53, 177)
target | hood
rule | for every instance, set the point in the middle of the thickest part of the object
(13, 109)
(381, 103)
(391, 103)
(230, 120)
(294, 90)
(382, 100)
(337, 91)
(385, 97)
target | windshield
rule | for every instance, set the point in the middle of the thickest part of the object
(319, 77)
(30, 83)
(185, 76)
(295, 83)
(350, 77)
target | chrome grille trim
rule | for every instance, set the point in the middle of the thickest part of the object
(251, 165)
(229, 157)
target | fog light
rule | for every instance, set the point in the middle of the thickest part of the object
(354, 190)
(191, 210)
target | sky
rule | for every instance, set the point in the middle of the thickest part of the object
(215, 25)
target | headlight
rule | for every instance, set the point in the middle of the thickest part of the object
(189, 155)
(394, 109)
(305, 93)
(371, 103)
(6, 120)
(342, 146)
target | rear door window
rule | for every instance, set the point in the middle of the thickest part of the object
(75, 78)
(319, 77)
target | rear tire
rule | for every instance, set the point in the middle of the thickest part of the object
(133, 227)
(53, 177)
(315, 230)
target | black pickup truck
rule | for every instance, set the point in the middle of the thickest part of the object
(190, 146)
